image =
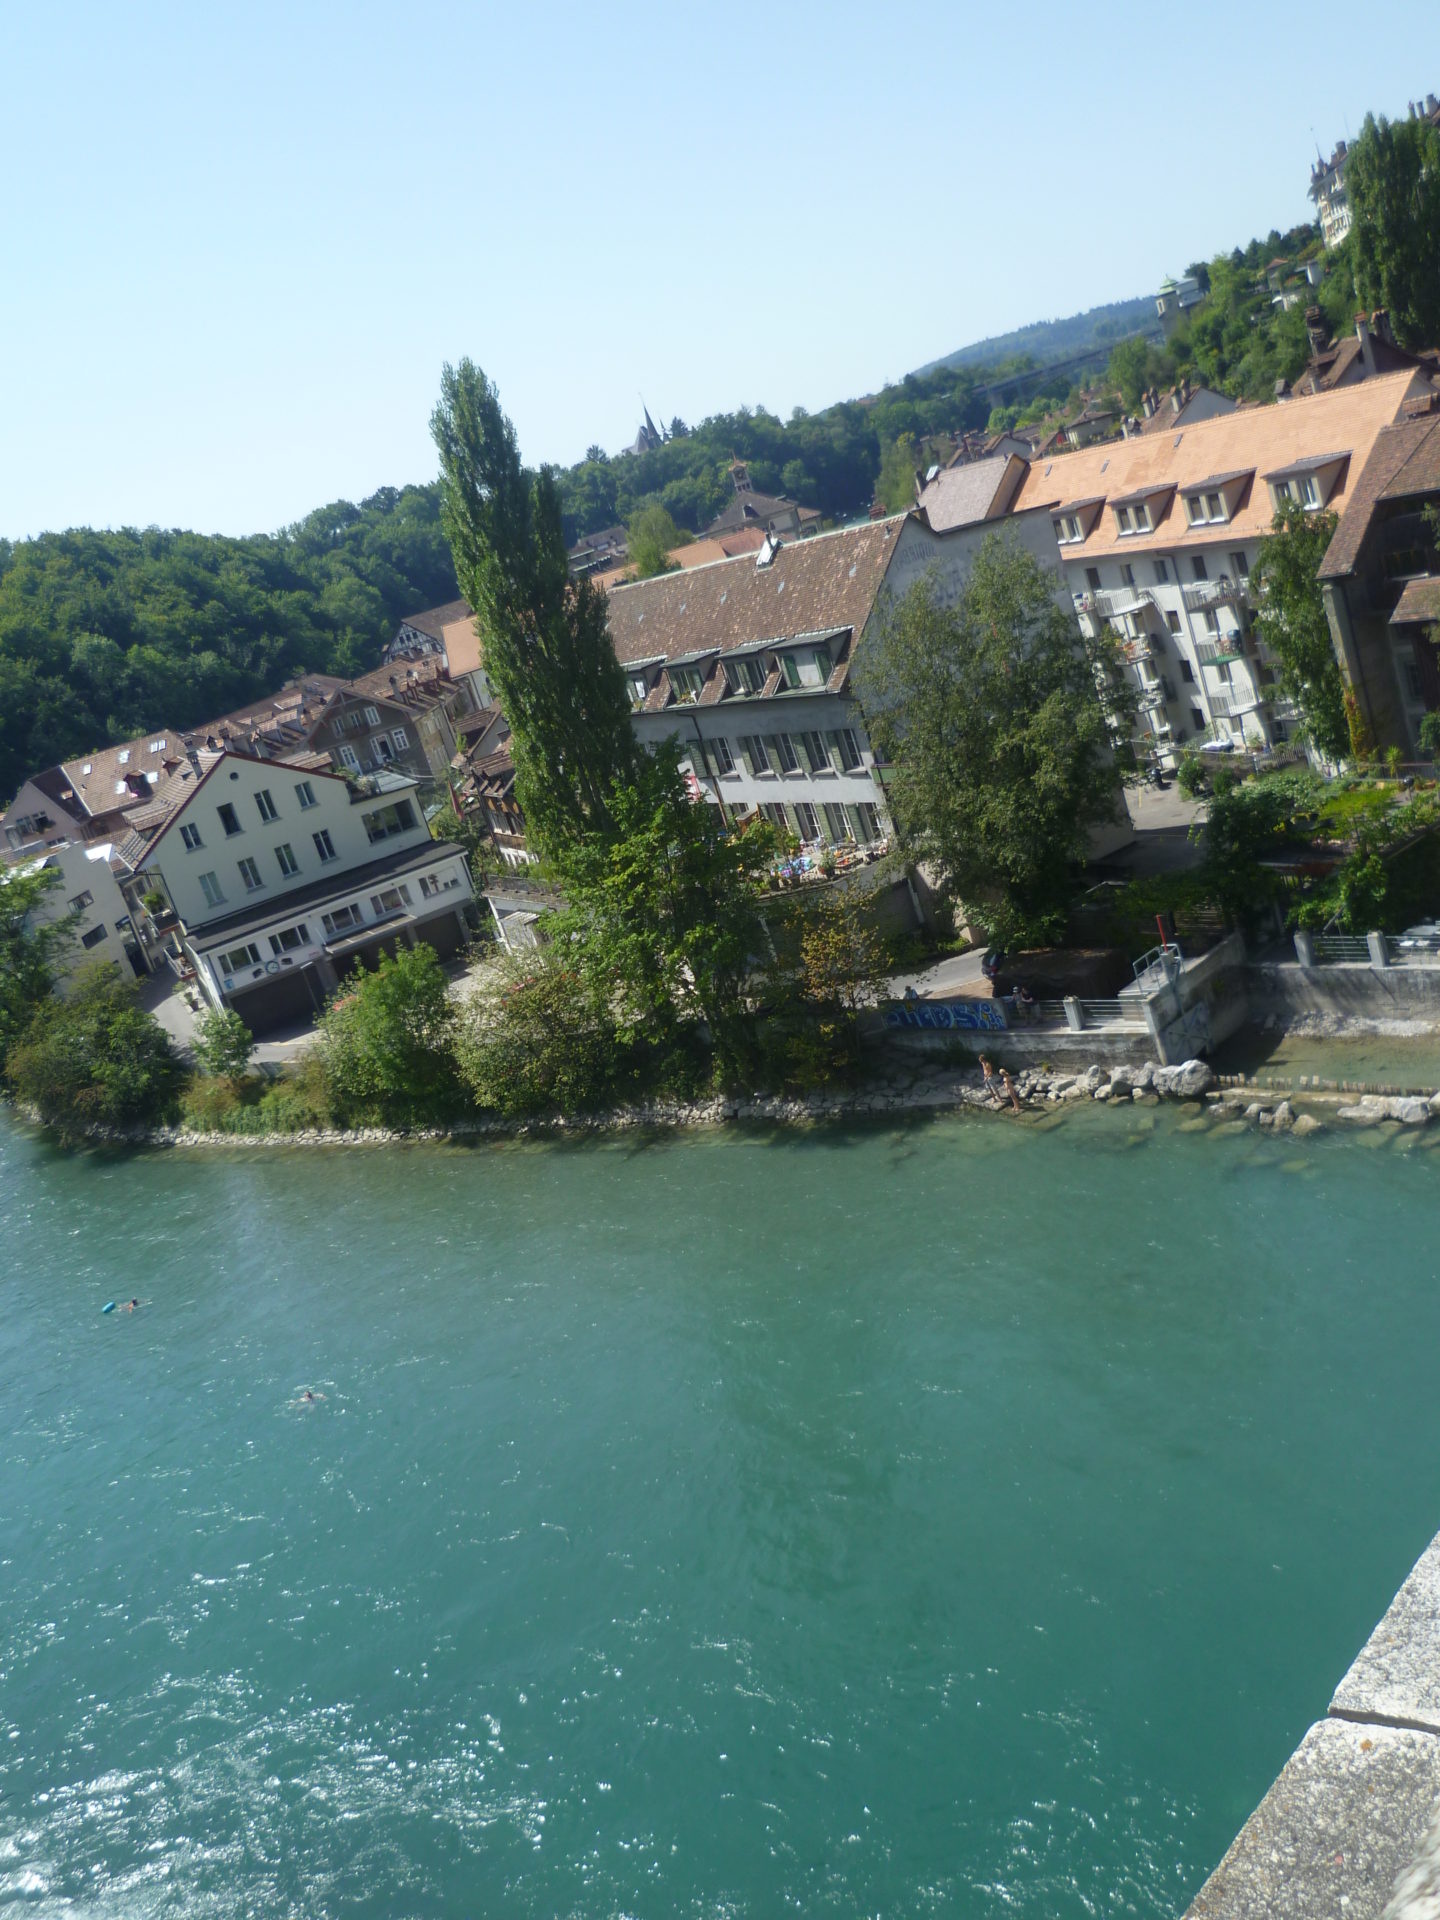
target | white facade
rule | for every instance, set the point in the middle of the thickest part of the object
(86, 886)
(800, 754)
(275, 872)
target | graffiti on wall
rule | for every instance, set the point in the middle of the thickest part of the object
(952, 1016)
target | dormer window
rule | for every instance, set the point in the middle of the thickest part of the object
(1195, 509)
(687, 683)
(1067, 530)
(1310, 491)
(1123, 520)
(1309, 483)
(638, 690)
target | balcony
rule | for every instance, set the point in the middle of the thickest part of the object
(1215, 653)
(1137, 652)
(1224, 592)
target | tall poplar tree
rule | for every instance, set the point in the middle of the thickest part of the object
(543, 634)
(1392, 181)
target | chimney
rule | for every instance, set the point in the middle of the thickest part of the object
(1316, 332)
(1362, 334)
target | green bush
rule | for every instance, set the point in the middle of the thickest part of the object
(97, 1060)
(223, 1043)
(537, 1037)
(1190, 776)
(385, 1044)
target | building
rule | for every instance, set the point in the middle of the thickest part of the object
(747, 663)
(603, 552)
(1175, 299)
(1158, 534)
(484, 785)
(1327, 190)
(450, 633)
(86, 885)
(276, 880)
(1382, 594)
(962, 496)
(1183, 406)
(770, 513)
(696, 553)
(1362, 355)
(398, 716)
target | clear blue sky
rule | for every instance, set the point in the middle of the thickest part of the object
(238, 242)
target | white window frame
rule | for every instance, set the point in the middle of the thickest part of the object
(305, 794)
(285, 858)
(348, 757)
(399, 740)
(265, 803)
(250, 874)
(324, 846)
(190, 837)
(210, 886)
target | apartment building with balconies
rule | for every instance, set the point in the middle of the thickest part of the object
(1158, 536)
(747, 663)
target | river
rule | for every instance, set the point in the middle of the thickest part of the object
(963, 1517)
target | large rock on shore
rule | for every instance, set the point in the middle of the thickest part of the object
(1188, 1081)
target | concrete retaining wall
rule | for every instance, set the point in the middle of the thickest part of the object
(1359, 991)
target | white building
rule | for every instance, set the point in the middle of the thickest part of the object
(1158, 536)
(85, 885)
(279, 878)
(747, 662)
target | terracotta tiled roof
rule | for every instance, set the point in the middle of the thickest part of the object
(1259, 438)
(1420, 602)
(116, 779)
(823, 585)
(1392, 453)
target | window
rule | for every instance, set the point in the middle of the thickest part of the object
(815, 752)
(123, 756)
(790, 667)
(638, 689)
(1187, 672)
(1413, 681)
(210, 887)
(399, 739)
(1162, 573)
(289, 865)
(324, 845)
(238, 958)
(805, 820)
(785, 753)
(290, 939)
(1212, 622)
(372, 716)
(1240, 566)
(1309, 493)
(1092, 579)
(157, 746)
(81, 901)
(869, 820)
(1127, 575)
(349, 759)
(686, 684)
(1194, 508)
(1283, 491)
(433, 883)
(265, 804)
(1142, 519)
(342, 919)
(848, 748)
(250, 874)
(391, 900)
(837, 826)
(1197, 719)
(229, 819)
(753, 748)
(1197, 563)
(724, 758)
(754, 673)
(1214, 506)
(388, 821)
(1172, 621)
(777, 815)
(190, 837)
(1123, 520)
(305, 794)
(93, 936)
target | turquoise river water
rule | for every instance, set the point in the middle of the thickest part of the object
(960, 1518)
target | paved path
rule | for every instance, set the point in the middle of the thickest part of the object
(960, 974)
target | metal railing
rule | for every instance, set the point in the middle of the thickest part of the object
(1223, 592)
(1211, 653)
(1332, 948)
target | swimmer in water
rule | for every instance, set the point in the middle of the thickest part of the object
(130, 1306)
(307, 1399)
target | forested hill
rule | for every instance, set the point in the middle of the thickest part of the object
(106, 635)
(1055, 339)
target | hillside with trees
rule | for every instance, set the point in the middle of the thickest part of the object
(1046, 340)
(106, 634)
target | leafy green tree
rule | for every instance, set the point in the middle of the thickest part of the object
(1291, 621)
(224, 1044)
(1392, 181)
(653, 538)
(842, 964)
(666, 909)
(386, 1042)
(1429, 737)
(1136, 365)
(465, 830)
(31, 946)
(538, 1036)
(1242, 825)
(989, 713)
(547, 645)
(96, 1060)
(1190, 777)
